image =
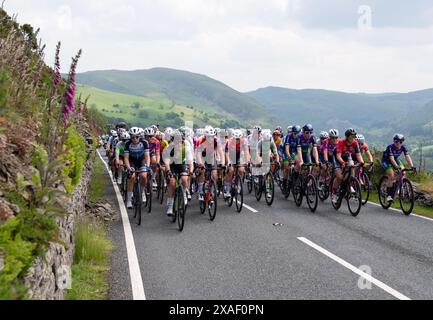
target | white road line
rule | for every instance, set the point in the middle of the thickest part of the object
(359, 272)
(399, 211)
(134, 267)
(249, 208)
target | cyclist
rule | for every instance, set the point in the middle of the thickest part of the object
(328, 149)
(237, 144)
(266, 137)
(137, 161)
(217, 156)
(120, 149)
(154, 151)
(345, 149)
(292, 152)
(364, 147)
(391, 162)
(179, 150)
(322, 138)
(306, 145)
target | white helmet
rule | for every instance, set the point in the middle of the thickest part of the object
(360, 138)
(149, 131)
(209, 131)
(135, 131)
(266, 134)
(178, 134)
(125, 136)
(114, 133)
(200, 131)
(324, 135)
(289, 129)
(237, 134)
(333, 133)
(218, 130)
(168, 131)
(189, 132)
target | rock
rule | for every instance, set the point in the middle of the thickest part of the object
(5, 210)
(1, 193)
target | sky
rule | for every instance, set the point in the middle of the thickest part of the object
(346, 45)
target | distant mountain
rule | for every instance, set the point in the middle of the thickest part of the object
(181, 87)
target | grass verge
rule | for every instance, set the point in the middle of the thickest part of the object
(92, 249)
(417, 209)
(91, 261)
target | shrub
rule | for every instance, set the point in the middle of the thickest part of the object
(74, 158)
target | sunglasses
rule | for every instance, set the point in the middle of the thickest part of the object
(398, 141)
(135, 137)
(308, 132)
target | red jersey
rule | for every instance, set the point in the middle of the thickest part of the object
(347, 150)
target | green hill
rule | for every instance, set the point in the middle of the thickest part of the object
(180, 88)
(143, 111)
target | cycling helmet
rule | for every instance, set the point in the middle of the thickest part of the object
(258, 128)
(125, 136)
(360, 138)
(350, 132)
(333, 133)
(279, 129)
(114, 133)
(178, 134)
(237, 134)
(218, 130)
(308, 128)
(135, 131)
(289, 129)
(266, 134)
(120, 131)
(189, 132)
(200, 131)
(154, 127)
(149, 132)
(296, 129)
(399, 137)
(210, 132)
(324, 135)
(168, 131)
(121, 125)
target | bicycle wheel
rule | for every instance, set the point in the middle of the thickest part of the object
(312, 193)
(323, 189)
(382, 193)
(407, 198)
(269, 189)
(354, 196)
(180, 208)
(365, 187)
(249, 180)
(258, 187)
(139, 202)
(239, 194)
(135, 199)
(203, 203)
(163, 188)
(335, 191)
(159, 182)
(149, 194)
(212, 200)
(175, 210)
(297, 191)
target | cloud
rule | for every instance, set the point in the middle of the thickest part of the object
(247, 43)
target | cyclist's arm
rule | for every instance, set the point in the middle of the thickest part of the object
(409, 160)
(370, 156)
(359, 157)
(340, 159)
(393, 162)
(299, 151)
(126, 157)
(221, 154)
(316, 154)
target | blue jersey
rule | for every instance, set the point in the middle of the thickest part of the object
(136, 151)
(292, 142)
(391, 150)
(305, 144)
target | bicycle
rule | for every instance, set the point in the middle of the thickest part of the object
(403, 189)
(350, 189)
(264, 183)
(180, 203)
(236, 190)
(324, 183)
(364, 181)
(306, 186)
(210, 198)
(161, 188)
(137, 198)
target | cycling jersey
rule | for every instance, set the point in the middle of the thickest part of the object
(154, 146)
(391, 150)
(136, 151)
(328, 148)
(346, 150)
(272, 147)
(186, 153)
(120, 149)
(305, 143)
(292, 142)
(201, 144)
(238, 147)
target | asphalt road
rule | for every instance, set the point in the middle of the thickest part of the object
(306, 256)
